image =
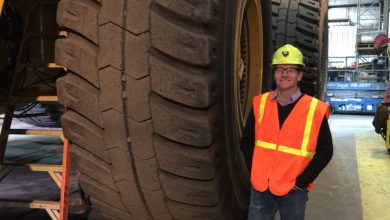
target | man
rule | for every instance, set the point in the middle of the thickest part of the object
(292, 142)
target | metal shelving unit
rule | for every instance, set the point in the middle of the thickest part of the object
(359, 83)
(372, 19)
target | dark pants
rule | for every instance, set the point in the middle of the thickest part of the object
(263, 205)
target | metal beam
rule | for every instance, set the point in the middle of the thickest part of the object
(353, 5)
(34, 204)
(386, 16)
(339, 20)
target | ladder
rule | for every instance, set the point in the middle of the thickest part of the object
(60, 174)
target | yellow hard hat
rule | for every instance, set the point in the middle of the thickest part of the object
(288, 54)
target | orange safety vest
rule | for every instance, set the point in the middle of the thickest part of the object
(281, 154)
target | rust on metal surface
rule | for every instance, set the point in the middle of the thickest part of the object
(44, 99)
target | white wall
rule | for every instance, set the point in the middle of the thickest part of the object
(342, 41)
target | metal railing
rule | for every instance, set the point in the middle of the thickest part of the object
(363, 68)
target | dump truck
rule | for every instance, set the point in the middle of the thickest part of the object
(156, 93)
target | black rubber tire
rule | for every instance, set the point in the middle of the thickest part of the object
(301, 23)
(146, 92)
(49, 115)
(331, 109)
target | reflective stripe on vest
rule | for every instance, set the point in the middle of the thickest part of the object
(262, 106)
(267, 145)
(306, 135)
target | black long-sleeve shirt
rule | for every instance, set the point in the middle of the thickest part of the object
(324, 149)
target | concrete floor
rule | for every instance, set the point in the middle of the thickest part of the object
(341, 191)
(355, 185)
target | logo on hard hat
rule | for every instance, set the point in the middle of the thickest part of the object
(285, 53)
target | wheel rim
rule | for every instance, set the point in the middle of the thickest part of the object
(243, 70)
(249, 60)
(246, 82)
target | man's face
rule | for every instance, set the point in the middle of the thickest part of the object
(287, 76)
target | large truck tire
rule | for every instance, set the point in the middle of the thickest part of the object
(302, 23)
(156, 96)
